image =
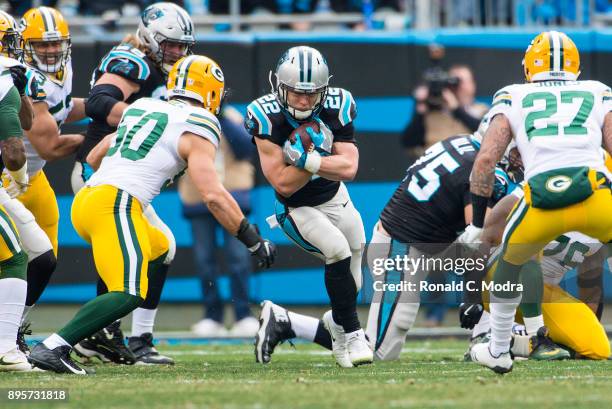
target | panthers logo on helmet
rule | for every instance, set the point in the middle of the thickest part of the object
(150, 14)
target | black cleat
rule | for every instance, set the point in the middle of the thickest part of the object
(544, 349)
(56, 360)
(143, 349)
(274, 328)
(24, 329)
(108, 345)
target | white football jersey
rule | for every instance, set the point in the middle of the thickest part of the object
(6, 80)
(556, 124)
(58, 97)
(144, 156)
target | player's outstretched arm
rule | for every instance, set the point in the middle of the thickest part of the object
(285, 179)
(482, 179)
(607, 132)
(200, 156)
(342, 165)
(78, 110)
(106, 98)
(46, 139)
(95, 156)
(26, 113)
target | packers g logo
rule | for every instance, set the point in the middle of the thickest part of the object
(558, 184)
(217, 73)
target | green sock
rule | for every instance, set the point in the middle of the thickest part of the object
(533, 289)
(97, 314)
(506, 273)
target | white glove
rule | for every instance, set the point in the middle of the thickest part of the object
(471, 237)
(13, 186)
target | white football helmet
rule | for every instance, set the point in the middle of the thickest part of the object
(165, 22)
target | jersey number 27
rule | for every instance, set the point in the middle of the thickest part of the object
(550, 108)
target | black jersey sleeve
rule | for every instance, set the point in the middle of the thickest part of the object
(339, 112)
(265, 120)
(128, 62)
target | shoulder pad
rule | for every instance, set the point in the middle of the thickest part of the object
(36, 82)
(126, 61)
(341, 105)
(503, 96)
(202, 119)
(258, 121)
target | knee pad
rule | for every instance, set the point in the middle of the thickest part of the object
(154, 219)
(33, 238)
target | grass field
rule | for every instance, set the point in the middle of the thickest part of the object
(429, 375)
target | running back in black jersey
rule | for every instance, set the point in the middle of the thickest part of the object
(132, 64)
(428, 206)
(266, 120)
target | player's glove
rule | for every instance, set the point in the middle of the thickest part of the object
(15, 182)
(322, 138)
(295, 154)
(262, 249)
(469, 314)
(471, 237)
(20, 81)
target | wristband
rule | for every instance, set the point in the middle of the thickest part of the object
(479, 209)
(313, 162)
(20, 175)
(248, 235)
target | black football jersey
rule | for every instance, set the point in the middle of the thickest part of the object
(131, 63)
(428, 206)
(266, 120)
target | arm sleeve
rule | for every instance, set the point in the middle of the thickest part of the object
(414, 134)
(9, 115)
(466, 119)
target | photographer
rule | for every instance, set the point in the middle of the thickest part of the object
(445, 105)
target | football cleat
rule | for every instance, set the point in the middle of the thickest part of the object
(339, 345)
(481, 354)
(544, 349)
(484, 337)
(274, 328)
(56, 360)
(14, 361)
(358, 347)
(108, 345)
(24, 329)
(143, 349)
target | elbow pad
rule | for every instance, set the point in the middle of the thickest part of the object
(102, 98)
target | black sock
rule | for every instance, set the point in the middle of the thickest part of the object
(157, 277)
(342, 293)
(39, 273)
(322, 337)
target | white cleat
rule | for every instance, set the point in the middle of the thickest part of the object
(359, 348)
(339, 346)
(481, 354)
(14, 361)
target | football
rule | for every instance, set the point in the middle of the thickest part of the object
(300, 132)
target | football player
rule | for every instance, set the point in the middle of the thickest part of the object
(109, 211)
(13, 260)
(559, 124)
(46, 54)
(305, 138)
(136, 68)
(429, 207)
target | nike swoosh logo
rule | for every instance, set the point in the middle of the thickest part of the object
(82, 371)
(550, 353)
(347, 202)
(3, 362)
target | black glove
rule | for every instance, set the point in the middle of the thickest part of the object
(20, 81)
(469, 314)
(263, 250)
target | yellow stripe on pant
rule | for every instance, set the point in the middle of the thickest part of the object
(123, 241)
(40, 199)
(9, 238)
(570, 322)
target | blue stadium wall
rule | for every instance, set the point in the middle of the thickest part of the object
(380, 69)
